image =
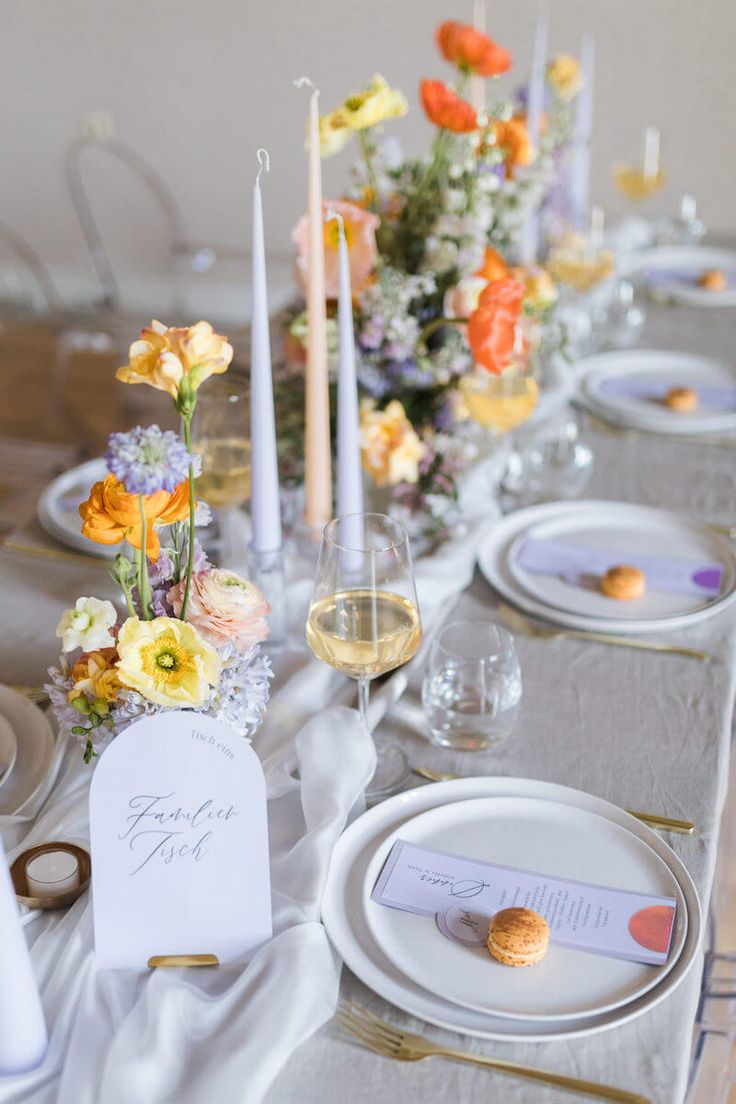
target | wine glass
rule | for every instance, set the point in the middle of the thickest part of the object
(364, 619)
(220, 434)
(642, 180)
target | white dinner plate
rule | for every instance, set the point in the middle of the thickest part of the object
(672, 272)
(553, 839)
(561, 603)
(36, 746)
(58, 508)
(626, 530)
(652, 373)
(8, 750)
(344, 919)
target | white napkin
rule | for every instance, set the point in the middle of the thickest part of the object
(188, 1036)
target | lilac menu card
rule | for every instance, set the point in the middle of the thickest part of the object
(633, 926)
(654, 389)
(572, 561)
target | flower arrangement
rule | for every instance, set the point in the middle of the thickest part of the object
(193, 632)
(435, 298)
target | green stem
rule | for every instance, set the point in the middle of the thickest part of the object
(370, 170)
(439, 143)
(435, 324)
(190, 557)
(128, 599)
(144, 585)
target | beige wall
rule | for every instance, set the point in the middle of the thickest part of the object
(196, 85)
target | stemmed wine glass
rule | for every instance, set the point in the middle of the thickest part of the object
(220, 432)
(364, 619)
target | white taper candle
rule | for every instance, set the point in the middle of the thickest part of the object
(265, 498)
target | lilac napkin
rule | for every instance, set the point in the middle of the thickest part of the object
(654, 389)
(574, 561)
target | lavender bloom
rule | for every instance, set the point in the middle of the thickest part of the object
(147, 460)
(372, 332)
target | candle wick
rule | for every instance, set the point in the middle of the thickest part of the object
(264, 162)
(306, 82)
(330, 214)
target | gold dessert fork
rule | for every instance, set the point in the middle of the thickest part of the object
(519, 622)
(654, 820)
(386, 1039)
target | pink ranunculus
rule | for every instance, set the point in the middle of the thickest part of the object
(360, 235)
(224, 608)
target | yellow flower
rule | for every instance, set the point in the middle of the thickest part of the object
(151, 361)
(334, 132)
(391, 449)
(94, 676)
(167, 661)
(563, 75)
(373, 105)
(540, 290)
(164, 355)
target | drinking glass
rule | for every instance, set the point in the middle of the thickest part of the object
(220, 434)
(364, 619)
(472, 687)
(641, 180)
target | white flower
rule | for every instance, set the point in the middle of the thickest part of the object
(87, 626)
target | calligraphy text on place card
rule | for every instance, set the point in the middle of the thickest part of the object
(159, 829)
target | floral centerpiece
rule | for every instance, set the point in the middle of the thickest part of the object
(435, 297)
(191, 634)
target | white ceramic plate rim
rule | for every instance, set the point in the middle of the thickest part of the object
(5, 723)
(421, 976)
(51, 517)
(622, 616)
(492, 560)
(22, 713)
(342, 920)
(697, 256)
(593, 371)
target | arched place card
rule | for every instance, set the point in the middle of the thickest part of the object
(179, 843)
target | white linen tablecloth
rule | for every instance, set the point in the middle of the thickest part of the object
(642, 730)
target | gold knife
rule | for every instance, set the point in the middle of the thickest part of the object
(666, 824)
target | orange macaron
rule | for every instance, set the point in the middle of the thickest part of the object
(623, 582)
(518, 937)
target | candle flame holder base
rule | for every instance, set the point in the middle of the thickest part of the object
(60, 900)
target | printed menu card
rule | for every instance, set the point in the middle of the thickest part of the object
(179, 843)
(629, 925)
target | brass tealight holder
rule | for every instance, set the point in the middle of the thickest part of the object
(19, 877)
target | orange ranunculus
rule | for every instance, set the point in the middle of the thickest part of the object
(445, 109)
(494, 266)
(492, 326)
(111, 515)
(513, 138)
(471, 50)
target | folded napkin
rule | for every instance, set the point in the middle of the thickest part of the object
(574, 561)
(654, 389)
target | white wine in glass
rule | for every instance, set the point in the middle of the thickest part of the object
(220, 433)
(364, 618)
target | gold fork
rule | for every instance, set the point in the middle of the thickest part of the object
(519, 622)
(654, 820)
(385, 1039)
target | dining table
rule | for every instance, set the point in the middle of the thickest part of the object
(640, 729)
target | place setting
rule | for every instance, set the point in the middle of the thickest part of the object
(693, 275)
(678, 395)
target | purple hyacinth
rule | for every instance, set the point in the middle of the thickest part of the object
(147, 460)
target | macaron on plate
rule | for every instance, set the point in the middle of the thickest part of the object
(523, 823)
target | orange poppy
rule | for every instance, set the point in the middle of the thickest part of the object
(471, 50)
(445, 109)
(513, 138)
(111, 515)
(492, 326)
(494, 266)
